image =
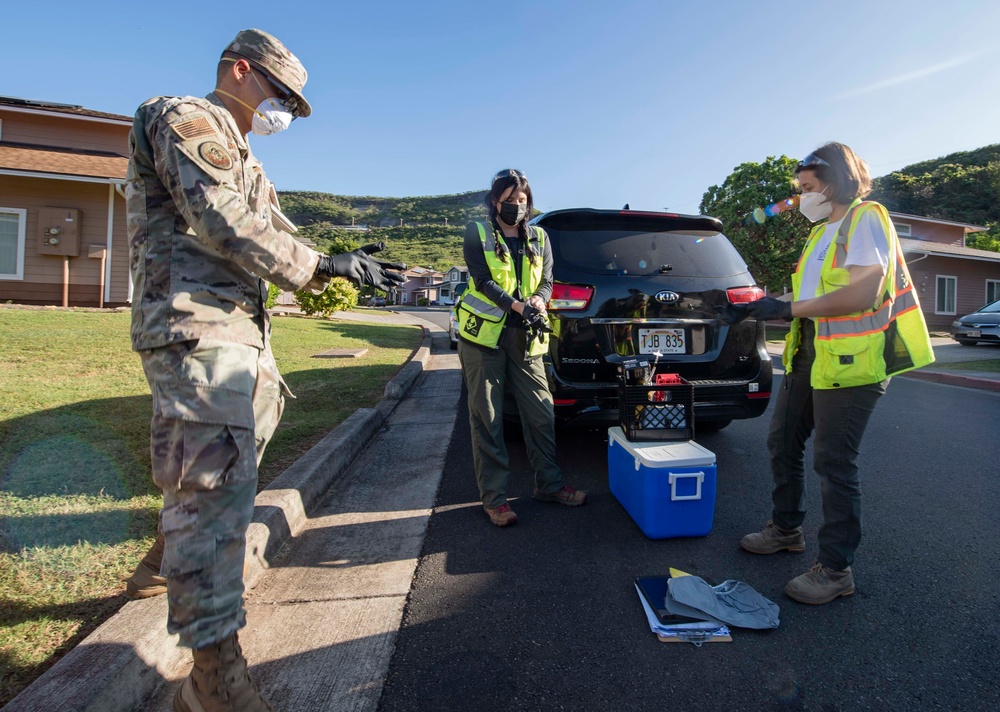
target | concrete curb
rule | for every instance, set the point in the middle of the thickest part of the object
(954, 379)
(120, 665)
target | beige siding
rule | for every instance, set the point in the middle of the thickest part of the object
(119, 254)
(43, 274)
(64, 132)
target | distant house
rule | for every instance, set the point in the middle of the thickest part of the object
(456, 280)
(951, 279)
(421, 283)
(63, 238)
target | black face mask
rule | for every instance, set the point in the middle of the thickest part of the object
(513, 213)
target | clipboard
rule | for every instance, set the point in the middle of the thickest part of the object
(706, 638)
(654, 590)
(673, 628)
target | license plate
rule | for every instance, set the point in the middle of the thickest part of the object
(974, 333)
(664, 341)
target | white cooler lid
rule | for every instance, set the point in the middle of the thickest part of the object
(677, 453)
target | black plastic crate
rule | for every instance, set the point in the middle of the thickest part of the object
(649, 413)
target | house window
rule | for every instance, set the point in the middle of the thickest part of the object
(902, 230)
(12, 221)
(992, 290)
(944, 301)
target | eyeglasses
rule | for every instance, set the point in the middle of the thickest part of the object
(284, 95)
(811, 161)
(508, 173)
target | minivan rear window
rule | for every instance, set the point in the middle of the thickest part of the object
(688, 253)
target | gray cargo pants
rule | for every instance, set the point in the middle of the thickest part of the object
(486, 375)
(838, 417)
(215, 407)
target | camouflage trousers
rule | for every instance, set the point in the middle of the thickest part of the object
(215, 407)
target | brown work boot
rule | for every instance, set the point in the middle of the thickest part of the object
(501, 516)
(566, 495)
(219, 682)
(146, 581)
(771, 540)
(820, 585)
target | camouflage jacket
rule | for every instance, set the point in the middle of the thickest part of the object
(200, 233)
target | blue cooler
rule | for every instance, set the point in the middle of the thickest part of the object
(668, 488)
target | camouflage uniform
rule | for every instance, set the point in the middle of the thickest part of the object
(202, 244)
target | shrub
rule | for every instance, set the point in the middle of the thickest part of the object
(339, 295)
(273, 292)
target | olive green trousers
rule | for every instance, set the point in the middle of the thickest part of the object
(487, 376)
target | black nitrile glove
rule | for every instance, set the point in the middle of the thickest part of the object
(534, 318)
(731, 313)
(360, 268)
(770, 309)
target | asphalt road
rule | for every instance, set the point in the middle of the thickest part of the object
(543, 615)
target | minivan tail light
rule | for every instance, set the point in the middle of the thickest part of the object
(570, 297)
(744, 295)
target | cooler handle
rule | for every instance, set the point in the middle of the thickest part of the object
(674, 476)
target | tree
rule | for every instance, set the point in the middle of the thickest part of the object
(770, 248)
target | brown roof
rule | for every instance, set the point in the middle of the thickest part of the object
(46, 159)
(938, 248)
(968, 227)
(56, 108)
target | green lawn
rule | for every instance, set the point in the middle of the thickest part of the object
(986, 366)
(77, 507)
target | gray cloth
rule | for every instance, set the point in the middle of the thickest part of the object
(679, 609)
(732, 602)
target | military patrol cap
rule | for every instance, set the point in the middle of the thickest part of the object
(267, 54)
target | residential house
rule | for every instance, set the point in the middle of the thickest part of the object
(63, 237)
(421, 283)
(951, 279)
(456, 280)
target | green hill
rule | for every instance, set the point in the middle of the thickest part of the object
(962, 186)
(424, 230)
(427, 230)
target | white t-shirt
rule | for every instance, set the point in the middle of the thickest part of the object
(869, 246)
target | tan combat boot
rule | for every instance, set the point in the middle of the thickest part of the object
(219, 682)
(146, 581)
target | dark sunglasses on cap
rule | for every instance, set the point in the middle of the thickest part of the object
(285, 95)
(508, 173)
(811, 161)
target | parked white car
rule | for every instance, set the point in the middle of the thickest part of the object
(453, 329)
(982, 325)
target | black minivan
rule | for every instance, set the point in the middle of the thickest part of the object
(632, 284)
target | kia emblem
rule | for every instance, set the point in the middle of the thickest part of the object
(667, 297)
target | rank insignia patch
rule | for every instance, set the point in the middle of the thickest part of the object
(216, 155)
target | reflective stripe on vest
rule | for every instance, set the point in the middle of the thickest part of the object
(867, 346)
(480, 321)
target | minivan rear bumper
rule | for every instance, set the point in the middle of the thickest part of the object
(593, 405)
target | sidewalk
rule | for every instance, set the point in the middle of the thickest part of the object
(331, 553)
(946, 351)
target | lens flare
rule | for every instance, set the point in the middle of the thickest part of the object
(759, 215)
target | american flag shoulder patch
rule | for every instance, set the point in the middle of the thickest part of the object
(194, 128)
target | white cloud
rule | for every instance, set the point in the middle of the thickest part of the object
(908, 77)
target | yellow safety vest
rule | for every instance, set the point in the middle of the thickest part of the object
(480, 321)
(870, 345)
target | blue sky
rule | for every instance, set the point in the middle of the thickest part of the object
(646, 102)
